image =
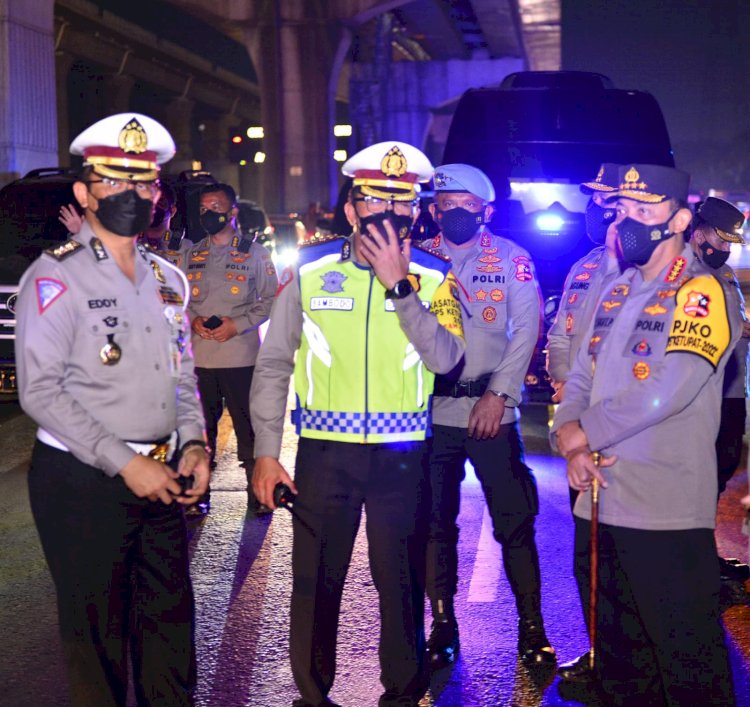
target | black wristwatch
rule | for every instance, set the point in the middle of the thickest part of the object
(403, 288)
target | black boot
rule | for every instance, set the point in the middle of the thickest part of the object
(578, 670)
(533, 646)
(443, 644)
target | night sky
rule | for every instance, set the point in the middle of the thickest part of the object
(693, 56)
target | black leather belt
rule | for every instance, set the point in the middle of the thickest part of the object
(445, 388)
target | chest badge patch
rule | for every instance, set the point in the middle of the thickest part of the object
(655, 309)
(568, 323)
(48, 291)
(610, 304)
(583, 277)
(333, 281)
(481, 295)
(641, 370)
(489, 268)
(157, 272)
(497, 295)
(489, 314)
(642, 348)
(573, 298)
(620, 290)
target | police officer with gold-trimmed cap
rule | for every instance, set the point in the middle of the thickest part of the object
(369, 318)
(640, 415)
(585, 282)
(476, 411)
(716, 225)
(105, 370)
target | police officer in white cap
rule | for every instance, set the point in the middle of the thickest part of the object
(476, 411)
(369, 318)
(105, 370)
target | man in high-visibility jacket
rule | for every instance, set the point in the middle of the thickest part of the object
(371, 320)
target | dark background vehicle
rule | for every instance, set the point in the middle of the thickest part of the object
(543, 133)
(29, 223)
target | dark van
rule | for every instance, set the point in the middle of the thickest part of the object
(544, 133)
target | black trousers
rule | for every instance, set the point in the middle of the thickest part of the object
(659, 639)
(218, 386)
(120, 568)
(729, 439)
(335, 480)
(510, 490)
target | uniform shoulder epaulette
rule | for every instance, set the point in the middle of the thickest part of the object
(422, 245)
(319, 240)
(62, 251)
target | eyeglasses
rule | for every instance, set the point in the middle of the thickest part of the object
(117, 186)
(378, 206)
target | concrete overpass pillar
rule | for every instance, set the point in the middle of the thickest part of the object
(28, 110)
(293, 45)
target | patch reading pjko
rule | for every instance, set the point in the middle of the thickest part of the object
(641, 370)
(48, 291)
(675, 269)
(446, 308)
(696, 328)
(489, 314)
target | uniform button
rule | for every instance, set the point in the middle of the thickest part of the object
(148, 329)
(156, 366)
(96, 328)
(125, 324)
(163, 406)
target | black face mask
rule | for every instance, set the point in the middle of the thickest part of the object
(638, 240)
(598, 219)
(160, 215)
(214, 221)
(401, 224)
(716, 258)
(125, 214)
(459, 225)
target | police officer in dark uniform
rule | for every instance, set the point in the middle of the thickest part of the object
(105, 369)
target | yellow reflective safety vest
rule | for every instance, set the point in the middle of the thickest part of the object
(357, 376)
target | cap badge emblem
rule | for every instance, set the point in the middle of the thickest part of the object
(600, 175)
(394, 163)
(133, 137)
(632, 175)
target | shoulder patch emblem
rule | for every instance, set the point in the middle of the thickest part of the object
(62, 251)
(48, 291)
(700, 324)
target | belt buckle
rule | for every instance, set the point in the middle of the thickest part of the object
(160, 452)
(462, 388)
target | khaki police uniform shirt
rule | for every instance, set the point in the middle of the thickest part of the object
(583, 287)
(229, 283)
(501, 307)
(648, 389)
(439, 349)
(69, 308)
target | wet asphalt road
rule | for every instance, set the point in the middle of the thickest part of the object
(241, 575)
